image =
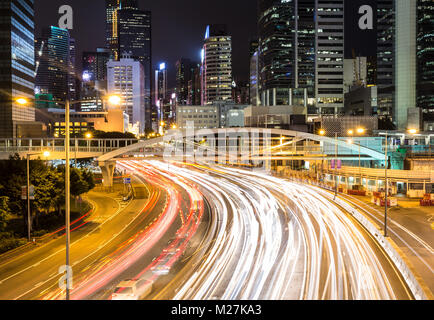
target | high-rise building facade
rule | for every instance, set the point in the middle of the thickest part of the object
(405, 60)
(134, 32)
(276, 27)
(95, 64)
(329, 69)
(184, 72)
(216, 65)
(53, 54)
(161, 95)
(112, 22)
(94, 79)
(126, 79)
(17, 63)
(385, 58)
(161, 84)
(286, 51)
(194, 87)
(425, 56)
(254, 97)
(73, 77)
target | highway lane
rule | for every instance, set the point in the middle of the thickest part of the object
(407, 235)
(35, 274)
(273, 239)
(158, 244)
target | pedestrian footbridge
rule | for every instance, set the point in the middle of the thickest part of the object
(250, 146)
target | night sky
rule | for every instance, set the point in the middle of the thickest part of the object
(178, 27)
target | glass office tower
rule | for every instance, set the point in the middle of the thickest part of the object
(17, 63)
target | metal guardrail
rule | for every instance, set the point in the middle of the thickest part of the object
(380, 173)
(375, 231)
(405, 271)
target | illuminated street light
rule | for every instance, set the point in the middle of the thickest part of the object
(413, 131)
(114, 100)
(46, 154)
(350, 132)
(322, 132)
(88, 135)
(22, 101)
(361, 130)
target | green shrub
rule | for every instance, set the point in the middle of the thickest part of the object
(7, 244)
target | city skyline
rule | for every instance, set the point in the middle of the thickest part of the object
(196, 150)
(178, 31)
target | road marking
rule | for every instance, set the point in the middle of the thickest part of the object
(55, 253)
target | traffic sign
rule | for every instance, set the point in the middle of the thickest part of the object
(24, 193)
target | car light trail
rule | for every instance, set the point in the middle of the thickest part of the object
(279, 240)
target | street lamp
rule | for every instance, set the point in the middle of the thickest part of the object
(322, 132)
(386, 183)
(413, 131)
(112, 99)
(46, 154)
(359, 131)
(22, 101)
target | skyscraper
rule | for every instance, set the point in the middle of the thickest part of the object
(112, 21)
(94, 79)
(17, 63)
(286, 54)
(134, 32)
(405, 60)
(53, 54)
(385, 58)
(216, 65)
(425, 56)
(126, 79)
(194, 87)
(184, 72)
(254, 96)
(161, 84)
(276, 27)
(73, 78)
(329, 69)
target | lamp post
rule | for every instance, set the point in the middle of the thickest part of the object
(386, 184)
(115, 100)
(29, 222)
(336, 166)
(360, 131)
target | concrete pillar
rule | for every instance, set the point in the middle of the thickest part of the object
(107, 169)
(274, 97)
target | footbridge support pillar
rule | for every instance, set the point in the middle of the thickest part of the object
(107, 169)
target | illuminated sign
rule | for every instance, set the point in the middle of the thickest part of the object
(162, 66)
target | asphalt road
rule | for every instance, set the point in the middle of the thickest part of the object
(35, 274)
(255, 237)
(271, 239)
(410, 229)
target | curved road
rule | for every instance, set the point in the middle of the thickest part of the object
(273, 239)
